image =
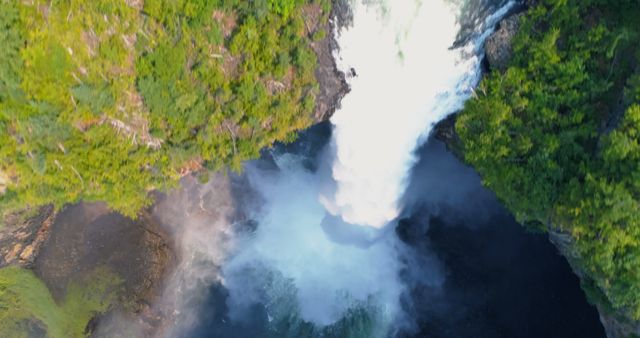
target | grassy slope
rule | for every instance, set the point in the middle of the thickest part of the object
(27, 306)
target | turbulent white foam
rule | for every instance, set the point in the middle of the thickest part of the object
(408, 78)
(326, 278)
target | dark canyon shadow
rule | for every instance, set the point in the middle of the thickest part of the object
(499, 280)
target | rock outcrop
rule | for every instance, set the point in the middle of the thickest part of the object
(23, 236)
(445, 131)
(333, 86)
(67, 246)
(615, 325)
(498, 46)
(87, 236)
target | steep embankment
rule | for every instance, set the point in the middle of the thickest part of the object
(554, 130)
(108, 100)
(107, 123)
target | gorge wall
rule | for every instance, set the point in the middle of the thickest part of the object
(499, 52)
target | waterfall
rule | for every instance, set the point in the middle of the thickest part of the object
(406, 77)
(320, 260)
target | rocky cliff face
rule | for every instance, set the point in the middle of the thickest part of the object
(498, 45)
(333, 86)
(69, 245)
(615, 325)
(87, 236)
(64, 246)
(498, 54)
(23, 236)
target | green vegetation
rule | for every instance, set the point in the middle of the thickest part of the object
(27, 308)
(108, 100)
(557, 137)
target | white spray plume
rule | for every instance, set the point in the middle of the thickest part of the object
(309, 273)
(199, 218)
(408, 78)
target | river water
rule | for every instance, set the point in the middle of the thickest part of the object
(362, 228)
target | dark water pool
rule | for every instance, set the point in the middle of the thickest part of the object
(498, 279)
(502, 282)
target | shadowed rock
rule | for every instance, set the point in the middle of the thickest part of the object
(498, 46)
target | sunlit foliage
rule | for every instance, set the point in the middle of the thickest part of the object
(110, 99)
(557, 136)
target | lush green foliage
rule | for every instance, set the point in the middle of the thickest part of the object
(551, 136)
(27, 308)
(106, 100)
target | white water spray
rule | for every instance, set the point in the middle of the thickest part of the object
(300, 264)
(408, 78)
(293, 267)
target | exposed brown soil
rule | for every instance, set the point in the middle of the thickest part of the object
(227, 21)
(21, 240)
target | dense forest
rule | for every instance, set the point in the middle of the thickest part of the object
(557, 137)
(108, 100)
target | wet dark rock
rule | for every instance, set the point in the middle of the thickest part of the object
(89, 235)
(333, 86)
(615, 324)
(445, 131)
(342, 13)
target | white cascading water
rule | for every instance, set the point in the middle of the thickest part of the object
(408, 78)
